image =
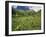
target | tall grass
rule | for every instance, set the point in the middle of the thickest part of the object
(26, 20)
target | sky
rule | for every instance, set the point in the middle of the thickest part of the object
(36, 8)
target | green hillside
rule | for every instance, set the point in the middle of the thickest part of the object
(26, 20)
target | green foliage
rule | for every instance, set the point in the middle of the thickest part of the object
(26, 20)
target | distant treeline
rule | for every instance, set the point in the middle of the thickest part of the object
(25, 12)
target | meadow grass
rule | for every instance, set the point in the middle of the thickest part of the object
(20, 23)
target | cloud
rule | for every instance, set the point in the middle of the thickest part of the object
(14, 6)
(35, 8)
